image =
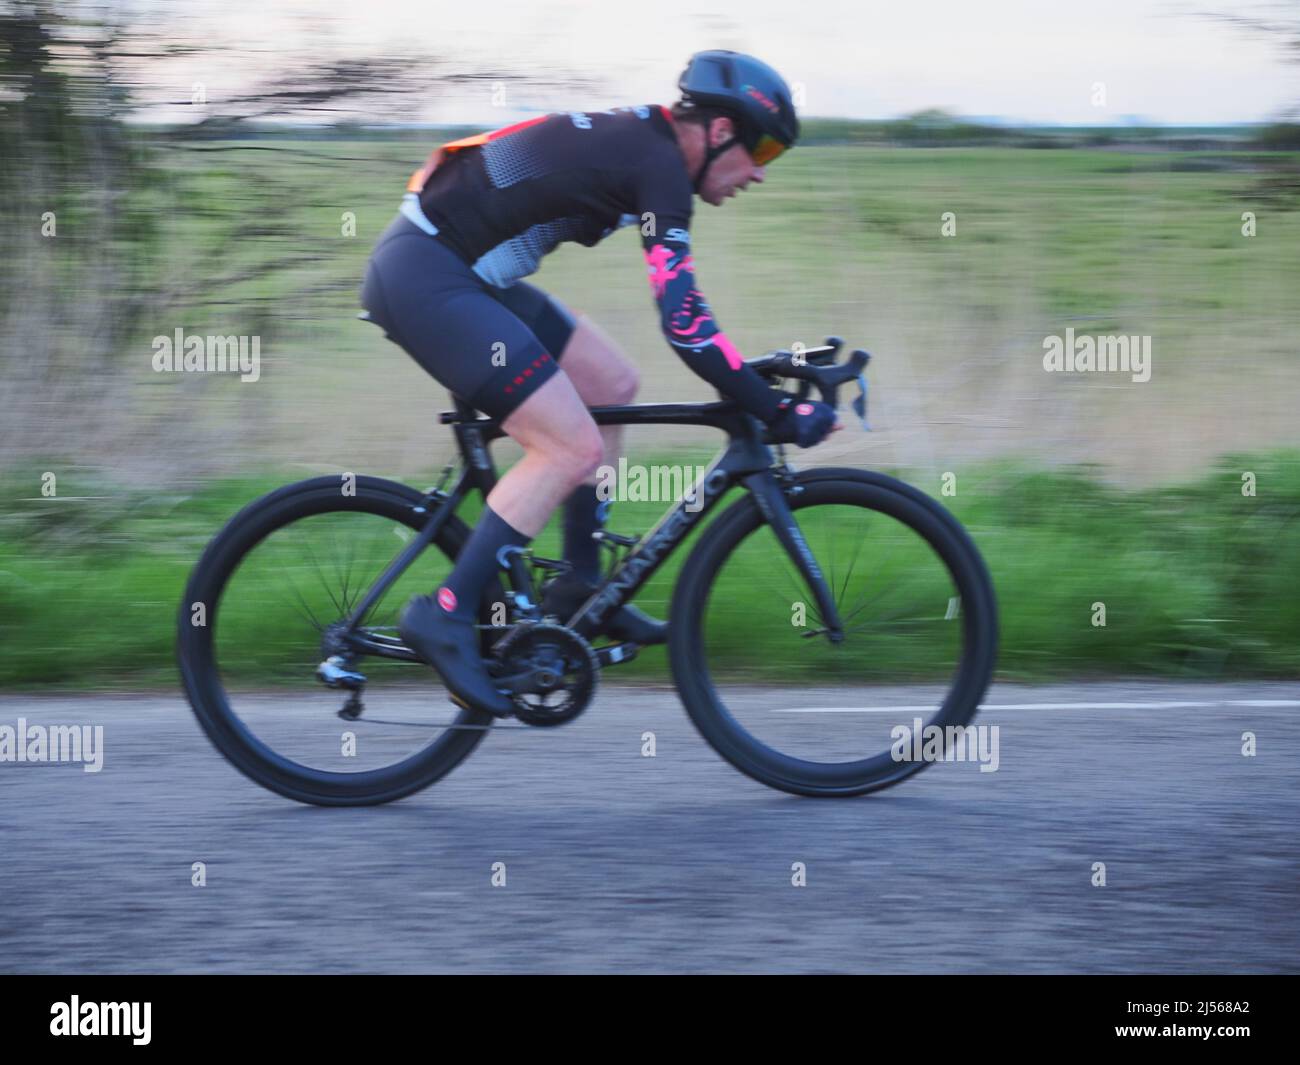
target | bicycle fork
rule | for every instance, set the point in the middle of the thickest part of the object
(768, 494)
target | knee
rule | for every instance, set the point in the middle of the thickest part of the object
(579, 454)
(623, 387)
(588, 452)
(602, 373)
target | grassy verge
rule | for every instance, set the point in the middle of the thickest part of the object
(1196, 579)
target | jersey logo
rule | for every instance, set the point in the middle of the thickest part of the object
(663, 266)
(681, 236)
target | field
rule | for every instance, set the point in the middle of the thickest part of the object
(1079, 487)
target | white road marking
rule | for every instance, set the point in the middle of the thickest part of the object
(987, 707)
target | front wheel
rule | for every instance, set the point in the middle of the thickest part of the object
(780, 701)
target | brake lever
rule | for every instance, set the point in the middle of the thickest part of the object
(855, 367)
(859, 403)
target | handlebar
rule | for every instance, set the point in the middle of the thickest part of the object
(816, 368)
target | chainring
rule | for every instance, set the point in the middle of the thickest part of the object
(561, 670)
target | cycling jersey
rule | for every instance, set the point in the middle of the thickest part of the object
(502, 200)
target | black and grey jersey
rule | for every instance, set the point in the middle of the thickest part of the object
(504, 199)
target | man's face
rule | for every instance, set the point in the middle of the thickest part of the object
(730, 172)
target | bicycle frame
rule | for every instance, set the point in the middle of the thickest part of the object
(746, 460)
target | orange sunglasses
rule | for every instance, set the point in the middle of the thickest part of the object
(767, 149)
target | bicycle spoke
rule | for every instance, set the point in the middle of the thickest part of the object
(883, 578)
(294, 584)
(325, 583)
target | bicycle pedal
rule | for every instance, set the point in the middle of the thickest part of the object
(460, 704)
(616, 653)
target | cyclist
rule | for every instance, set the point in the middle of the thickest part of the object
(445, 282)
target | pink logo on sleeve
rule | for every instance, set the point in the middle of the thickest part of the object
(659, 265)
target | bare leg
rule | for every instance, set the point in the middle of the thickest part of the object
(562, 449)
(603, 376)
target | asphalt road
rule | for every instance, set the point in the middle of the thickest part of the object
(619, 862)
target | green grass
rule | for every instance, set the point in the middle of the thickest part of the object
(1197, 581)
(838, 239)
(1195, 577)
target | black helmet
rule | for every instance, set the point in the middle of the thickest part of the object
(747, 88)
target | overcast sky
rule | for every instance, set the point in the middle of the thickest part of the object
(1035, 60)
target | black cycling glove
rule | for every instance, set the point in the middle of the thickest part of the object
(805, 424)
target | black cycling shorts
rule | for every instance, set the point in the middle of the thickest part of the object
(492, 347)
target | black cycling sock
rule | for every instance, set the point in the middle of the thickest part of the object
(476, 564)
(584, 513)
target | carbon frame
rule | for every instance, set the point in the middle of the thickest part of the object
(746, 460)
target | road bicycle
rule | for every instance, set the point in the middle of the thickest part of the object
(833, 583)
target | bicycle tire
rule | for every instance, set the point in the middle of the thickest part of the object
(883, 494)
(199, 669)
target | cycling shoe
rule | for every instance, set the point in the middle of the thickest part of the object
(451, 646)
(564, 595)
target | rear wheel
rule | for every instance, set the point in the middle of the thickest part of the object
(780, 701)
(263, 608)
